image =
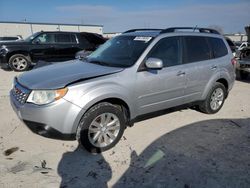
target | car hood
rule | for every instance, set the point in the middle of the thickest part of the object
(60, 75)
(13, 43)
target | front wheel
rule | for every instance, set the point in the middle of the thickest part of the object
(101, 127)
(215, 99)
(19, 62)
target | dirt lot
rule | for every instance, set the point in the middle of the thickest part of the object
(182, 148)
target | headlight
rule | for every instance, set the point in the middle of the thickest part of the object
(41, 97)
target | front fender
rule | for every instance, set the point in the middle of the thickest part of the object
(97, 94)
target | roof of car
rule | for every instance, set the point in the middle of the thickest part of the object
(58, 32)
(144, 33)
(155, 32)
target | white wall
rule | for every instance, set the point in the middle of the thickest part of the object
(26, 29)
(37, 28)
(69, 28)
(10, 29)
(91, 29)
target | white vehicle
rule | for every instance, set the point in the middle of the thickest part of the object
(11, 38)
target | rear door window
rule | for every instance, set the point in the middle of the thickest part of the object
(218, 46)
(196, 49)
(63, 38)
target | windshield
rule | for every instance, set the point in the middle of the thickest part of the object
(32, 37)
(121, 51)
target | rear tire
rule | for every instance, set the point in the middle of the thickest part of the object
(101, 127)
(19, 62)
(215, 99)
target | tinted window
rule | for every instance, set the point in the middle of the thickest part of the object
(45, 38)
(73, 39)
(63, 38)
(94, 38)
(219, 47)
(121, 51)
(197, 49)
(84, 41)
(168, 50)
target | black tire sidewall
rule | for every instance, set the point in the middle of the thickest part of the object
(208, 106)
(90, 116)
(22, 56)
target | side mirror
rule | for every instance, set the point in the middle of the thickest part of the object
(36, 42)
(154, 63)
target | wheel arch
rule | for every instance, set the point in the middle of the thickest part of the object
(216, 78)
(224, 82)
(23, 52)
(125, 107)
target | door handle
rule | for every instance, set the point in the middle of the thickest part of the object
(181, 73)
(213, 67)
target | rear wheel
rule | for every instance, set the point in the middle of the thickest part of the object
(101, 127)
(19, 62)
(215, 99)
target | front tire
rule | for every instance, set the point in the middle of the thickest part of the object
(215, 99)
(19, 62)
(101, 127)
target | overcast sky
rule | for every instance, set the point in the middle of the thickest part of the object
(120, 15)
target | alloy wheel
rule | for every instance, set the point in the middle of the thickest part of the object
(217, 99)
(19, 63)
(104, 129)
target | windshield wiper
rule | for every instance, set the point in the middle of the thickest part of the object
(100, 63)
(107, 64)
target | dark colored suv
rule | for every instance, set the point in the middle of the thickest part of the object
(46, 46)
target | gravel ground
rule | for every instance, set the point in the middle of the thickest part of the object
(181, 148)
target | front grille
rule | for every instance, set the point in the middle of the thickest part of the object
(20, 93)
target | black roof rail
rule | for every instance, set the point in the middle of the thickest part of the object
(134, 30)
(201, 30)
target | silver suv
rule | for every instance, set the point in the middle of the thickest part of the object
(138, 72)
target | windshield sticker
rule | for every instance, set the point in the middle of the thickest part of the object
(144, 39)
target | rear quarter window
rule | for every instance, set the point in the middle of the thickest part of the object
(196, 49)
(218, 46)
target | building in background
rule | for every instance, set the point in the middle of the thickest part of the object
(26, 29)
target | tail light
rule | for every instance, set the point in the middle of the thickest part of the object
(234, 62)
